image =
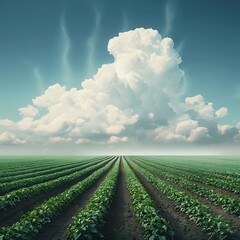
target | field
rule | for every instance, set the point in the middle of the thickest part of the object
(117, 197)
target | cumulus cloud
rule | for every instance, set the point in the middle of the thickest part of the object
(9, 138)
(222, 112)
(184, 131)
(59, 139)
(28, 111)
(115, 139)
(201, 109)
(136, 98)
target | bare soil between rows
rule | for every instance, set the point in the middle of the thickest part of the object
(57, 229)
(217, 210)
(12, 215)
(121, 222)
(216, 189)
(183, 228)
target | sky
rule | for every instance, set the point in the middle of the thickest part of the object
(80, 77)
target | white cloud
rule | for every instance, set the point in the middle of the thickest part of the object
(197, 134)
(28, 111)
(6, 123)
(115, 139)
(51, 96)
(82, 140)
(136, 98)
(185, 127)
(198, 105)
(224, 128)
(222, 112)
(183, 131)
(59, 139)
(202, 109)
(9, 138)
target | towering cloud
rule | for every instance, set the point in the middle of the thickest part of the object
(136, 98)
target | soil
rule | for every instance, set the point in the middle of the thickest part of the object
(57, 230)
(217, 210)
(12, 215)
(183, 228)
(121, 223)
(216, 189)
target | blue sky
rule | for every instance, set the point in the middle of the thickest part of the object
(47, 42)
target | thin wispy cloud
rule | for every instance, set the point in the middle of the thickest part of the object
(237, 92)
(169, 17)
(181, 46)
(125, 25)
(65, 49)
(92, 42)
(39, 79)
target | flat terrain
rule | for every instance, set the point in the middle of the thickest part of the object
(120, 197)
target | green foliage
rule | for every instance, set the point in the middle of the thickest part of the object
(215, 226)
(32, 222)
(227, 203)
(9, 186)
(9, 200)
(42, 172)
(229, 182)
(88, 223)
(154, 226)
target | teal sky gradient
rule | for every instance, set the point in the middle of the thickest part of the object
(31, 41)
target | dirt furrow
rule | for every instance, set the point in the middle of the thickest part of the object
(214, 188)
(121, 223)
(217, 210)
(57, 230)
(13, 215)
(183, 228)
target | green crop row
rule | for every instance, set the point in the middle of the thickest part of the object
(10, 186)
(210, 180)
(227, 176)
(20, 168)
(215, 226)
(89, 222)
(11, 199)
(32, 222)
(44, 172)
(228, 204)
(153, 225)
(207, 173)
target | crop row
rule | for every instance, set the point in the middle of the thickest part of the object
(89, 222)
(215, 226)
(9, 186)
(20, 167)
(32, 222)
(11, 199)
(228, 204)
(210, 180)
(43, 172)
(153, 225)
(226, 174)
(207, 173)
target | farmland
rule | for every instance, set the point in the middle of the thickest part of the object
(120, 197)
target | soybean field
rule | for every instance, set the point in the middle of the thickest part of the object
(120, 197)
